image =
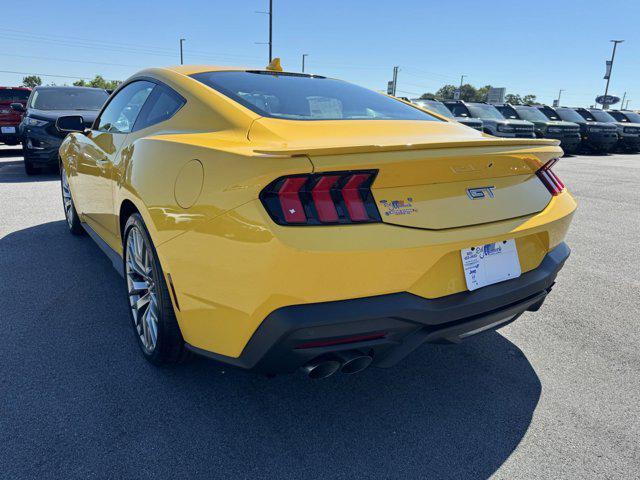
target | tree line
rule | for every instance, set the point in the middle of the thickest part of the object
(469, 93)
(98, 81)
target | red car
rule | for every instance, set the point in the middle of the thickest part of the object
(10, 118)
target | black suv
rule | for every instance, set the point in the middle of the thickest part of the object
(493, 121)
(596, 136)
(437, 106)
(567, 132)
(40, 137)
(628, 134)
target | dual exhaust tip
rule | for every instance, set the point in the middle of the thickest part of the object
(349, 362)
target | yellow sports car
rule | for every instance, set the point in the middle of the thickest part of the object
(277, 221)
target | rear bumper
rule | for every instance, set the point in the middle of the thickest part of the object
(406, 320)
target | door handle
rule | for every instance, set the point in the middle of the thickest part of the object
(102, 161)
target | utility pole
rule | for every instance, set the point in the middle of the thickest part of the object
(610, 69)
(461, 80)
(304, 55)
(270, 30)
(622, 102)
(181, 55)
(270, 42)
(559, 95)
(395, 79)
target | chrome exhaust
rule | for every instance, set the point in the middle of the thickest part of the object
(353, 361)
(318, 369)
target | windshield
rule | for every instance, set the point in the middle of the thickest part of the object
(632, 116)
(508, 111)
(14, 96)
(532, 114)
(480, 110)
(435, 106)
(303, 97)
(602, 116)
(549, 113)
(68, 99)
(569, 115)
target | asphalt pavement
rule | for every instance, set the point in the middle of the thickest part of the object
(554, 395)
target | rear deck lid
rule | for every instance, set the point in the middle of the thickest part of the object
(431, 176)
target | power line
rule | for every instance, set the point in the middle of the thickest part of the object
(48, 75)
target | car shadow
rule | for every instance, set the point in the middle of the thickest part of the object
(80, 400)
(10, 151)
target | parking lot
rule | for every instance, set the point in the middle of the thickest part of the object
(554, 395)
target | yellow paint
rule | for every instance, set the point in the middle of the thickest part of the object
(231, 265)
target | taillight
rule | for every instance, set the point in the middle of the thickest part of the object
(549, 178)
(322, 199)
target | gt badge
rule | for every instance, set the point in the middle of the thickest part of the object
(478, 193)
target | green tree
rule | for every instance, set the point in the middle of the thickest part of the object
(529, 99)
(31, 81)
(513, 99)
(98, 82)
(446, 92)
(482, 92)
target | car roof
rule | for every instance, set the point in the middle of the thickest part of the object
(66, 87)
(193, 69)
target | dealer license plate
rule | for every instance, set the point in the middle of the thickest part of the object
(8, 129)
(492, 263)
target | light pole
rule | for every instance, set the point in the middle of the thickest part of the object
(395, 79)
(559, 95)
(459, 88)
(609, 70)
(181, 55)
(304, 55)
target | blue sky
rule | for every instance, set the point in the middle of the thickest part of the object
(527, 47)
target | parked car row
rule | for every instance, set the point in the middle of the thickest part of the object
(29, 117)
(589, 129)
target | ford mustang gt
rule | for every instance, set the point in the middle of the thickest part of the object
(278, 221)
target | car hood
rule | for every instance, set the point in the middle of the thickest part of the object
(87, 115)
(474, 121)
(599, 124)
(561, 123)
(513, 122)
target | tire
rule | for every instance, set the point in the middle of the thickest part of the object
(139, 254)
(29, 168)
(70, 213)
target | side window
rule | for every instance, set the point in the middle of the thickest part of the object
(122, 111)
(162, 105)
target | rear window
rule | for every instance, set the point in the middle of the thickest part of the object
(11, 95)
(304, 97)
(68, 99)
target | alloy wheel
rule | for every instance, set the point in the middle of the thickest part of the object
(142, 288)
(66, 199)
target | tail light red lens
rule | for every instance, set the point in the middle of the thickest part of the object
(549, 178)
(322, 199)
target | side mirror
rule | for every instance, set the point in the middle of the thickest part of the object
(18, 107)
(70, 123)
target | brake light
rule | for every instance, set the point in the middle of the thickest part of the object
(322, 199)
(549, 178)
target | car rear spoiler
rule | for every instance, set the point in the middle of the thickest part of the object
(321, 150)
